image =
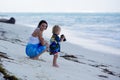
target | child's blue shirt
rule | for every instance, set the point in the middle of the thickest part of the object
(54, 44)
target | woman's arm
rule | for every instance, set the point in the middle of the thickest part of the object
(42, 41)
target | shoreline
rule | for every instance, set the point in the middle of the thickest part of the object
(90, 44)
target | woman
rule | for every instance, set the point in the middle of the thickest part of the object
(36, 44)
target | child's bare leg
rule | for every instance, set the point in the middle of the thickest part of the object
(55, 60)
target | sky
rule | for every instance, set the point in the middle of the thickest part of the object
(59, 5)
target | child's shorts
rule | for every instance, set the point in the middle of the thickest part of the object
(33, 50)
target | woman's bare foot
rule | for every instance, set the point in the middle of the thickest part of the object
(35, 58)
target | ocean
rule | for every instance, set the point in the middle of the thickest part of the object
(96, 31)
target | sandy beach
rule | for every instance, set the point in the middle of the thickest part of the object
(76, 62)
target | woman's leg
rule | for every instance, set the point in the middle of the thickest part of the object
(37, 57)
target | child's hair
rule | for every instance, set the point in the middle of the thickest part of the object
(55, 29)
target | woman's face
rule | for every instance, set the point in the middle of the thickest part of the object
(43, 26)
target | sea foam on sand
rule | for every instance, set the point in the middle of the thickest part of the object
(76, 63)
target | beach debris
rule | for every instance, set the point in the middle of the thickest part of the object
(108, 72)
(71, 58)
(5, 74)
(10, 21)
(4, 55)
(103, 76)
(96, 65)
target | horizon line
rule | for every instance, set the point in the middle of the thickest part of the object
(59, 12)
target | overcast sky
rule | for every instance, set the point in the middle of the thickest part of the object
(59, 5)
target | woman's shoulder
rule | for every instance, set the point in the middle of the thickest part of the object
(36, 32)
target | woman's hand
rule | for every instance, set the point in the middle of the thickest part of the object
(47, 46)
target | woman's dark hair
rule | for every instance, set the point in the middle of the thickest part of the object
(42, 21)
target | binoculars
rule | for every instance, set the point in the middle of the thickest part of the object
(62, 36)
